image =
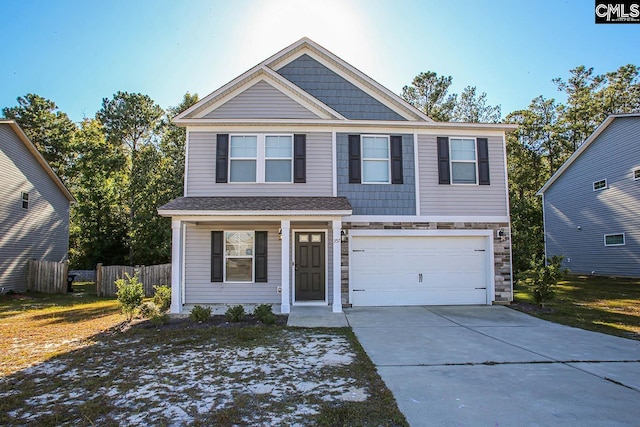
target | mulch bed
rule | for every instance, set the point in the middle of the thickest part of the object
(221, 321)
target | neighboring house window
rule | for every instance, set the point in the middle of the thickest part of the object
(260, 158)
(375, 159)
(25, 200)
(614, 239)
(636, 174)
(463, 160)
(600, 185)
(239, 256)
(278, 154)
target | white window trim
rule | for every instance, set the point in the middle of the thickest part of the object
(252, 257)
(363, 159)
(624, 239)
(606, 185)
(636, 174)
(260, 158)
(475, 162)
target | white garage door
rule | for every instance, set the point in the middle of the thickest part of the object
(418, 270)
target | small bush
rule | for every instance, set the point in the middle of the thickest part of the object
(264, 313)
(160, 319)
(162, 297)
(546, 279)
(148, 309)
(200, 313)
(235, 313)
(130, 294)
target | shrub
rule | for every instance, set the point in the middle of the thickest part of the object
(130, 294)
(160, 319)
(162, 297)
(546, 279)
(200, 313)
(235, 313)
(148, 309)
(264, 313)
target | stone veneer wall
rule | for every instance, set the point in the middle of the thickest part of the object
(501, 250)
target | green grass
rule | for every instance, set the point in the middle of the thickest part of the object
(601, 304)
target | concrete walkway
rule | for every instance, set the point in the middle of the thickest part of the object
(316, 317)
(493, 366)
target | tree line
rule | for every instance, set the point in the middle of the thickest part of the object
(128, 160)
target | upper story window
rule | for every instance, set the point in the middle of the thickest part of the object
(25, 200)
(600, 185)
(636, 174)
(463, 160)
(260, 158)
(614, 239)
(375, 159)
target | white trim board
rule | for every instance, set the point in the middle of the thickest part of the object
(425, 218)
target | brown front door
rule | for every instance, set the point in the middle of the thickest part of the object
(310, 266)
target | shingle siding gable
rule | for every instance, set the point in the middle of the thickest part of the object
(570, 202)
(335, 91)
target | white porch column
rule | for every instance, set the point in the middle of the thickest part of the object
(285, 226)
(336, 225)
(176, 266)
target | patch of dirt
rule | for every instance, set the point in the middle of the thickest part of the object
(531, 308)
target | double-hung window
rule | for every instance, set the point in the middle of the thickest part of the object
(278, 158)
(261, 158)
(239, 253)
(243, 158)
(375, 159)
(463, 160)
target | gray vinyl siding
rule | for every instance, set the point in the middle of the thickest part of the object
(571, 203)
(198, 286)
(335, 91)
(378, 199)
(261, 101)
(42, 231)
(201, 170)
(461, 200)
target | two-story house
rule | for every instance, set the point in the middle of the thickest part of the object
(34, 208)
(591, 205)
(307, 182)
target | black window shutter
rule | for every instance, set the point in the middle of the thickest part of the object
(217, 256)
(483, 161)
(444, 177)
(354, 159)
(222, 157)
(299, 158)
(396, 159)
(261, 256)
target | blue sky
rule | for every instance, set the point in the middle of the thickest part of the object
(78, 52)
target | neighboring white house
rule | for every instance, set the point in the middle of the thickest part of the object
(592, 203)
(309, 183)
(34, 208)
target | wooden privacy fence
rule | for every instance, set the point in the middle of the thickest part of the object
(149, 276)
(47, 276)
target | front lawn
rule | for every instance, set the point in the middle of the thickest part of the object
(183, 373)
(608, 305)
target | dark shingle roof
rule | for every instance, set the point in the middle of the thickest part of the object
(257, 204)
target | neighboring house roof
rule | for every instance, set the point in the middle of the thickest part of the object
(257, 205)
(36, 154)
(582, 148)
(285, 56)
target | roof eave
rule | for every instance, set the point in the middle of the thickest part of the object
(265, 213)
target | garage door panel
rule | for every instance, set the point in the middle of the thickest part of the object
(418, 270)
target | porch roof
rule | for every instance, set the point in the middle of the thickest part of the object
(270, 205)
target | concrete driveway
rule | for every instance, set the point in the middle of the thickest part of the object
(493, 366)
